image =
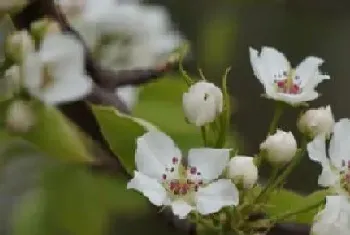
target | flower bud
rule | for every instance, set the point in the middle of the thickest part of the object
(43, 27)
(280, 147)
(18, 45)
(10, 83)
(241, 169)
(202, 103)
(19, 118)
(316, 122)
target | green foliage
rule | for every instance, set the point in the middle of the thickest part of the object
(73, 200)
(121, 132)
(284, 201)
(54, 135)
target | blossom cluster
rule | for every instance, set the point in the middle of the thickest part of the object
(213, 185)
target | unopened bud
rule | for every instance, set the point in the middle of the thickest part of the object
(280, 147)
(317, 122)
(20, 117)
(18, 45)
(242, 170)
(43, 27)
(202, 103)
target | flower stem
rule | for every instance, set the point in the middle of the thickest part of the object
(295, 161)
(276, 117)
(298, 211)
(268, 186)
(204, 136)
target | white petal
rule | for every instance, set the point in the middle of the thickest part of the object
(260, 71)
(149, 187)
(65, 50)
(64, 91)
(155, 152)
(317, 152)
(294, 99)
(32, 69)
(334, 218)
(209, 162)
(181, 208)
(216, 195)
(308, 72)
(339, 147)
(274, 61)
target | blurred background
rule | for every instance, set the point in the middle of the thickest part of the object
(220, 33)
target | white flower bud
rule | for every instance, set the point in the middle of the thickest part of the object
(18, 45)
(280, 147)
(241, 169)
(202, 103)
(317, 121)
(20, 117)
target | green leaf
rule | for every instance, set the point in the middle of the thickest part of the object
(121, 132)
(28, 215)
(284, 201)
(56, 136)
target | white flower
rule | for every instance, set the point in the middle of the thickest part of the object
(281, 82)
(18, 45)
(56, 73)
(317, 122)
(280, 147)
(139, 36)
(165, 181)
(20, 117)
(336, 168)
(334, 218)
(202, 103)
(243, 170)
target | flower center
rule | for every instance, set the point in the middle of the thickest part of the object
(345, 176)
(186, 184)
(285, 83)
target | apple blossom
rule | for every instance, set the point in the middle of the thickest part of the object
(165, 181)
(55, 74)
(281, 81)
(336, 167)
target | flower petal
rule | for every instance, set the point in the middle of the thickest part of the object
(339, 147)
(209, 162)
(181, 208)
(308, 72)
(216, 195)
(294, 99)
(32, 69)
(274, 61)
(334, 218)
(155, 152)
(317, 152)
(149, 187)
(64, 91)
